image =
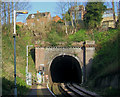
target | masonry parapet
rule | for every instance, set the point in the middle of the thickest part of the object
(65, 44)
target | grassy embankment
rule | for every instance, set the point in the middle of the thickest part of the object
(22, 40)
(106, 64)
(53, 38)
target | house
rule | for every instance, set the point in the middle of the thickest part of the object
(19, 24)
(79, 11)
(108, 21)
(57, 18)
(38, 19)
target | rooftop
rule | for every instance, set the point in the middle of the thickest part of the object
(38, 15)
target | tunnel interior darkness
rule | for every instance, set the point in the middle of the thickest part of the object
(65, 69)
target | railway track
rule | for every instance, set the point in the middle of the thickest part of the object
(65, 92)
(74, 90)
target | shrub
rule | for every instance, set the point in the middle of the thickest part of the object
(106, 57)
(79, 36)
(53, 38)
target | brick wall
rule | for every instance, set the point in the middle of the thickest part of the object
(39, 21)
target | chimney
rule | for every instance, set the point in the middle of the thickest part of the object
(38, 11)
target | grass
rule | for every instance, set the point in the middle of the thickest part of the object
(54, 37)
(22, 40)
(106, 58)
(111, 92)
(8, 87)
(79, 36)
(105, 62)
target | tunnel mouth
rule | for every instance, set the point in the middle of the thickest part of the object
(65, 69)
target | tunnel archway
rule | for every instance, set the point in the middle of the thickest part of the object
(65, 68)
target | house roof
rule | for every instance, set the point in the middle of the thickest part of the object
(19, 23)
(57, 18)
(38, 15)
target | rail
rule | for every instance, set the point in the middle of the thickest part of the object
(74, 90)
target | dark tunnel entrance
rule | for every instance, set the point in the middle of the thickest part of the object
(65, 69)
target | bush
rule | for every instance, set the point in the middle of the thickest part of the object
(102, 37)
(53, 38)
(8, 60)
(79, 36)
(106, 57)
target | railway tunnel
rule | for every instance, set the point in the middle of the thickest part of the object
(65, 69)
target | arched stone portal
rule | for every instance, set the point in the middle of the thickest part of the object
(65, 68)
(48, 57)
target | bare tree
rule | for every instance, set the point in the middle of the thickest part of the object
(0, 12)
(5, 12)
(8, 3)
(62, 7)
(119, 10)
(4, 17)
(71, 8)
(9, 7)
(113, 8)
(12, 12)
(118, 21)
(74, 8)
(75, 13)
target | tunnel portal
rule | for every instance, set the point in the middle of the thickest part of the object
(65, 69)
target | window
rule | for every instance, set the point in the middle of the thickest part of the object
(108, 12)
(77, 8)
(105, 24)
(41, 22)
(32, 24)
(79, 15)
(25, 23)
(111, 23)
(32, 16)
(73, 15)
(37, 19)
(107, 15)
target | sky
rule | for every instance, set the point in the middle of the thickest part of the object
(60, 0)
(41, 7)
